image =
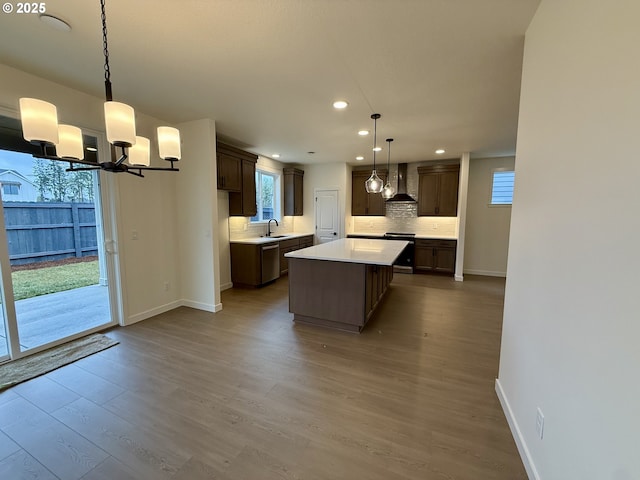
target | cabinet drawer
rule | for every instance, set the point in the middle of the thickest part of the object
(291, 242)
(306, 241)
(428, 243)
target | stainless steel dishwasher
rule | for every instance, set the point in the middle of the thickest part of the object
(270, 262)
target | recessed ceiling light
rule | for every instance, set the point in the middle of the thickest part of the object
(359, 157)
(440, 151)
(377, 149)
(55, 22)
(340, 104)
(275, 155)
(363, 133)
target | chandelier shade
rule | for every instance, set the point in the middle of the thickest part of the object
(139, 153)
(120, 122)
(39, 121)
(374, 183)
(70, 142)
(169, 143)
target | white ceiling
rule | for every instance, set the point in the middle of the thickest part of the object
(443, 73)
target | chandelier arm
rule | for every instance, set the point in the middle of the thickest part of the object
(137, 174)
(165, 169)
(80, 169)
(122, 158)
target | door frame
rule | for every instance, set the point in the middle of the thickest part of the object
(107, 210)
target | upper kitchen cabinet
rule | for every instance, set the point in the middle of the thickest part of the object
(362, 202)
(438, 190)
(293, 191)
(237, 173)
(229, 172)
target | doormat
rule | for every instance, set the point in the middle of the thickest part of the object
(26, 368)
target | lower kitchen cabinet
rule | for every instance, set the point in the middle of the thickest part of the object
(254, 265)
(290, 245)
(435, 256)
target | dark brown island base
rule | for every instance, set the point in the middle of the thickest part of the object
(340, 283)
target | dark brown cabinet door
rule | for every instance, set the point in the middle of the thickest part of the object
(448, 194)
(362, 202)
(428, 194)
(438, 190)
(229, 173)
(445, 260)
(435, 256)
(424, 258)
(243, 203)
(293, 191)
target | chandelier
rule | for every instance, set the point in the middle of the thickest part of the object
(64, 142)
(388, 191)
(374, 183)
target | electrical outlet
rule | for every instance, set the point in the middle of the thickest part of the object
(134, 235)
(539, 423)
(166, 286)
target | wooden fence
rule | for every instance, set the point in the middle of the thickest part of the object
(43, 231)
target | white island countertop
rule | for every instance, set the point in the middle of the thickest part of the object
(353, 250)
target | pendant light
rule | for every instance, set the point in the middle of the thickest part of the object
(388, 191)
(374, 183)
(40, 126)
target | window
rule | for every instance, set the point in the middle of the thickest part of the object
(10, 188)
(502, 187)
(267, 196)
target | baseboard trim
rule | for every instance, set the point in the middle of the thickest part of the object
(458, 278)
(226, 286)
(138, 317)
(486, 273)
(207, 307)
(525, 455)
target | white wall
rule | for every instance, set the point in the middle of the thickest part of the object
(198, 223)
(487, 227)
(326, 176)
(570, 342)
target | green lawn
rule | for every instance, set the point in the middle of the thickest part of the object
(31, 283)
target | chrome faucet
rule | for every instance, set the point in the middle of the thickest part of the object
(269, 226)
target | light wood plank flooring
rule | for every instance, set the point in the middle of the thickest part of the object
(247, 394)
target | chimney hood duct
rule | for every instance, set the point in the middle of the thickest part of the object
(402, 195)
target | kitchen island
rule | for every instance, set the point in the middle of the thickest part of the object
(339, 284)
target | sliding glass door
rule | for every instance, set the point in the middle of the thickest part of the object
(54, 267)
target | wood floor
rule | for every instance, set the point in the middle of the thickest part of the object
(247, 394)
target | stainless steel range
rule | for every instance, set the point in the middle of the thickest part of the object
(404, 262)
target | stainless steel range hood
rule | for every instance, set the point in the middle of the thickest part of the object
(401, 195)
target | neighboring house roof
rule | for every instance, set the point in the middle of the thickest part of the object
(6, 171)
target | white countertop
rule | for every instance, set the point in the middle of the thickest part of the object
(273, 238)
(418, 236)
(353, 250)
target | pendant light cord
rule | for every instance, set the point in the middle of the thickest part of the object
(105, 49)
(375, 117)
(375, 134)
(389, 140)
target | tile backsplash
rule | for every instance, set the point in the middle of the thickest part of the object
(427, 226)
(241, 227)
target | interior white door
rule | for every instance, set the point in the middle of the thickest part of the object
(327, 219)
